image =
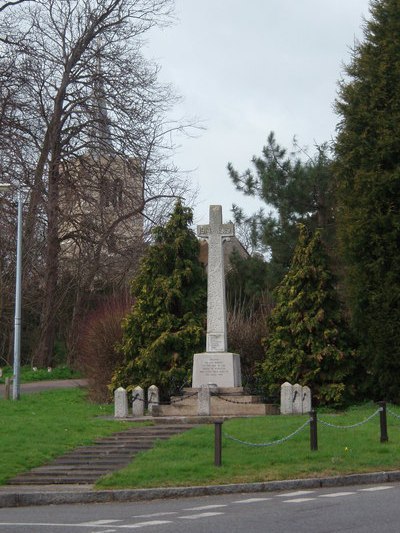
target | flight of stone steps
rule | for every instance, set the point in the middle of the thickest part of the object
(86, 464)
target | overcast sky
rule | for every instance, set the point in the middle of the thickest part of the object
(246, 67)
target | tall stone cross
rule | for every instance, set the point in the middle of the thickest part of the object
(215, 232)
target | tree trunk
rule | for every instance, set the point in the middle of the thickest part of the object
(43, 355)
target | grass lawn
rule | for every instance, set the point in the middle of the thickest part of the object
(44, 425)
(188, 459)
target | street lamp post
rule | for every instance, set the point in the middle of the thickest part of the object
(18, 292)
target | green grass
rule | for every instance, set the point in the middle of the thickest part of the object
(188, 459)
(44, 425)
(41, 374)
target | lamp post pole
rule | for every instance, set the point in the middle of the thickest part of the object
(18, 292)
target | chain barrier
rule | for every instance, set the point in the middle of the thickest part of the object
(182, 399)
(272, 443)
(352, 425)
(392, 413)
(229, 401)
(137, 397)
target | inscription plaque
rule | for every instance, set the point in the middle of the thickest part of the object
(215, 342)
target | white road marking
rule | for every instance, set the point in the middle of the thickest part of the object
(42, 524)
(204, 507)
(252, 500)
(99, 523)
(200, 515)
(145, 524)
(336, 494)
(297, 493)
(299, 500)
(373, 489)
(153, 515)
(53, 525)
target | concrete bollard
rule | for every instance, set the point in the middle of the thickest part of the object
(153, 397)
(138, 401)
(297, 400)
(286, 398)
(120, 403)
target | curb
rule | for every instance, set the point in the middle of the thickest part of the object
(57, 497)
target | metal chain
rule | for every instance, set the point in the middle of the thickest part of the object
(352, 425)
(137, 398)
(273, 443)
(183, 398)
(229, 401)
(392, 413)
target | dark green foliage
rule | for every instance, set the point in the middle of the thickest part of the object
(307, 334)
(368, 170)
(166, 325)
(246, 281)
(295, 191)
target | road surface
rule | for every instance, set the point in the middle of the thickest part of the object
(355, 509)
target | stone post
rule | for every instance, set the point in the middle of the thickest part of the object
(204, 400)
(153, 397)
(306, 400)
(286, 398)
(120, 403)
(138, 401)
(297, 399)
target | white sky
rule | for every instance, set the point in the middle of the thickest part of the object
(246, 67)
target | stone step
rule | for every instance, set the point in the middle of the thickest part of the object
(86, 464)
(130, 440)
(139, 436)
(93, 460)
(66, 480)
(118, 445)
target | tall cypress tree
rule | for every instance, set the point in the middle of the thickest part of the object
(307, 341)
(166, 324)
(368, 173)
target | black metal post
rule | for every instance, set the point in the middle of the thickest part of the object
(218, 443)
(383, 422)
(313, 430)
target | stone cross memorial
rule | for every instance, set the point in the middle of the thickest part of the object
(216, 366)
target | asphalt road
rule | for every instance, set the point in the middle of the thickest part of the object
(355, 509)
(39, 386)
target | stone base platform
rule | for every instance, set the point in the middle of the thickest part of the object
(221, 401)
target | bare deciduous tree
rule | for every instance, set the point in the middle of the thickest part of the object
(85, 131)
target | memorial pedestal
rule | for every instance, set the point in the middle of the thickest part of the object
(216, 368)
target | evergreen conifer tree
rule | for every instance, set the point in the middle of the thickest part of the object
(166, 324)
(307, 341)
(368, 174)
(295, 192)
